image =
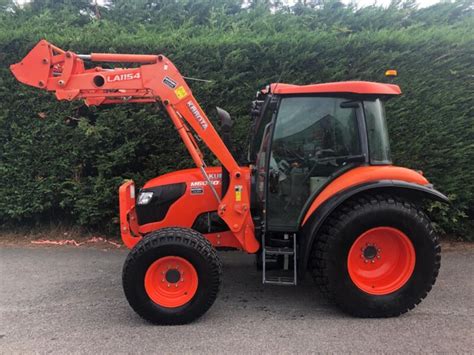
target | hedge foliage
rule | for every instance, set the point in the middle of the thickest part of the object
(63, 162)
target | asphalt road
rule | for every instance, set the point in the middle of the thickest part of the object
(65, 299)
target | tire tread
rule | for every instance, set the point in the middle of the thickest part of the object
(319, 259)
(176, 236)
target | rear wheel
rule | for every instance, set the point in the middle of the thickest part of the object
(376, 256)
(172, 276)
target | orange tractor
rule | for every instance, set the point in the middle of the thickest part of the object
(319, 193)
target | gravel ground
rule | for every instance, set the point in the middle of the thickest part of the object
(70, 300)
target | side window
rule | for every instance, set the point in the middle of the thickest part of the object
(258, 134)
(261, 162)
(313, 138)
(377, 133)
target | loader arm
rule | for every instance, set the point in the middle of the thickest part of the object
(155, 80)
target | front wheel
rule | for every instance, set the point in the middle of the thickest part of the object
(376, 256)
(172, 276)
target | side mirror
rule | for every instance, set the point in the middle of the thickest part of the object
(256, 109)
(226, 120)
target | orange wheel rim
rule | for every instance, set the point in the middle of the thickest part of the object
(171, 281)
(381, 260)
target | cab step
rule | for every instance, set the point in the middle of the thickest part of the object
(279, 251)
(280, 280)
(286, 278)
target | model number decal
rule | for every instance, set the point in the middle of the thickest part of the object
(214, 177)
(169, 82)
(197, 190)
(123, 77)
(197, 115)
(204, 183)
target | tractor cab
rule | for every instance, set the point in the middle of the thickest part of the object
(306, 136)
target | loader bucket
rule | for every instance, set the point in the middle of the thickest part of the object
(35, 68)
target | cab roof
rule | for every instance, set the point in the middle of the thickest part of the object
(349, 87)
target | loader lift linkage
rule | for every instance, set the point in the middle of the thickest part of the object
(321, 193)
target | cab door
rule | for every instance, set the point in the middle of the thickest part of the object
(311, 140)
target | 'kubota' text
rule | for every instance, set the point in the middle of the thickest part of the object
(197, 115)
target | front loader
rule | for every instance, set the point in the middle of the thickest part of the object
(320, 193)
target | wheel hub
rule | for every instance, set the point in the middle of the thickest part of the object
(172, 275)
(381, 260)
(171, 281)
(370, 252)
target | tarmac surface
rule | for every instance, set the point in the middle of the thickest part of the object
(70, 300)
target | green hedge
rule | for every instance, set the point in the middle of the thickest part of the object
(66, 167)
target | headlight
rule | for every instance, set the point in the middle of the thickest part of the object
(145, 197)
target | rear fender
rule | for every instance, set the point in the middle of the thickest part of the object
(313, 223)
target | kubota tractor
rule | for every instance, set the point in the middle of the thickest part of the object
(319, 193)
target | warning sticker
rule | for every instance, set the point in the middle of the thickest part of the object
(180, 92)
(238, 193)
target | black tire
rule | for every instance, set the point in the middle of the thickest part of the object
(329, 266)
(181, 242)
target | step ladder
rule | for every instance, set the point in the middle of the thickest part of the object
(286, 277)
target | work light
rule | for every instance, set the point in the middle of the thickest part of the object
(145, 197)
